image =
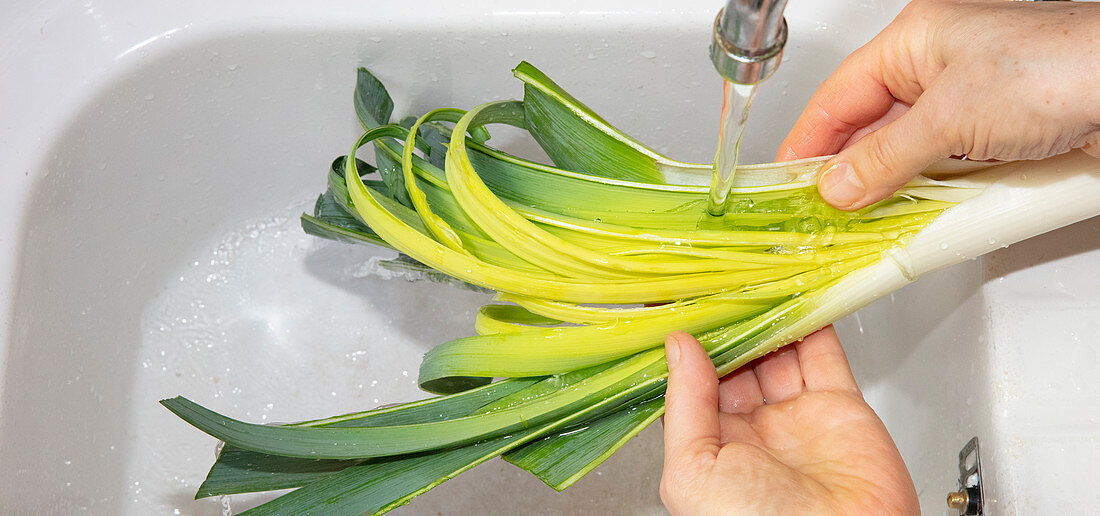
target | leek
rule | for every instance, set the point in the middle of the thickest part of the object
(575, 251)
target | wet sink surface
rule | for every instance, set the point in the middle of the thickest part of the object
(152, 249)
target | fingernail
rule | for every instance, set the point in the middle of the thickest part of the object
(840, 185)
(672, 350)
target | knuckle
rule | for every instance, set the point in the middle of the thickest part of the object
(884, 157)
(883, 168)
(956, 140)
(980, 142)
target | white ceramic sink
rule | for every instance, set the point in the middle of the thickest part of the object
(155, 159)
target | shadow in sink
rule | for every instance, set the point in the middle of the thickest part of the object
(440, 312)
(920, 356)
(1077, 239)
(625, 485)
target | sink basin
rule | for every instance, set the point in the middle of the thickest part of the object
(156, 160)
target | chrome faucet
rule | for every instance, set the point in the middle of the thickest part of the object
(749, 36)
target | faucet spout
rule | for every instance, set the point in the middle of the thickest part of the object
(749, 36)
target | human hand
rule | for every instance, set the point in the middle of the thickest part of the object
(791, 435)
(988, 79)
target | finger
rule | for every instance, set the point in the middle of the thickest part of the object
(899, 108)
(739, 392)
(849, 99)
(691, 400)
(823, 363)
(780, 376)
(881, 162)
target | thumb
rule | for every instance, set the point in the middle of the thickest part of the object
(878, 164)
(691, 401)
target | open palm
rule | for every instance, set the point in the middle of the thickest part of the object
(790, 435)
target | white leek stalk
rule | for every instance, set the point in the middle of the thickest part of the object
(1018, 200)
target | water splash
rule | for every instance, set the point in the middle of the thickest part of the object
(735, 112)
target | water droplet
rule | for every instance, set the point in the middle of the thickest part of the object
(149, 96)
(648, 54)
(232, 67)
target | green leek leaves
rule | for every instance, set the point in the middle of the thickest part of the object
(576, 249)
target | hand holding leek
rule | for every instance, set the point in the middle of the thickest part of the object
(985, 93)
(813, 447)
(991, 80)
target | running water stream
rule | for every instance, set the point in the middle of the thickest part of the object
(737, 98)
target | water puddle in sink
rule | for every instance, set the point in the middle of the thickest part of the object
(268, 324)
